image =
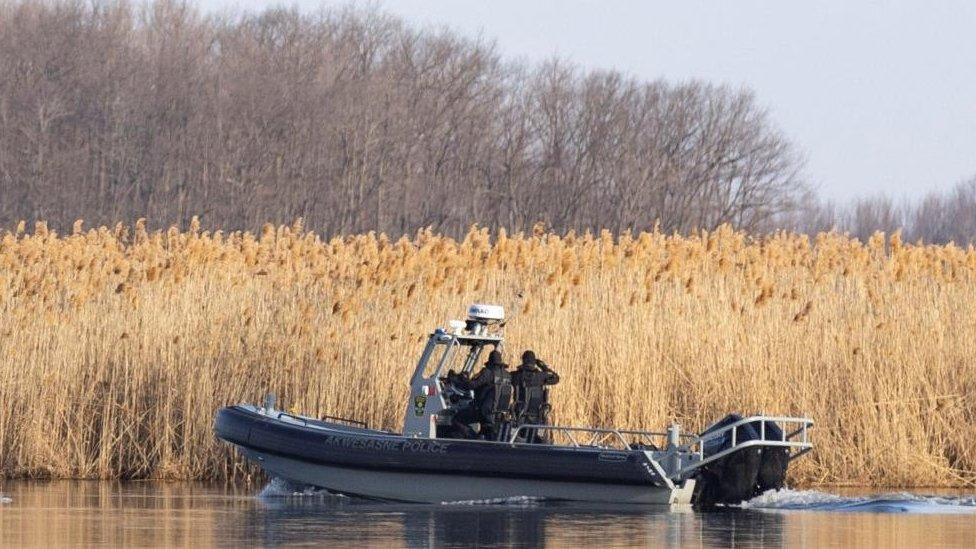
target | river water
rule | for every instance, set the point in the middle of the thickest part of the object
(95, 514)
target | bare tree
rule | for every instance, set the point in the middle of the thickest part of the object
(355, 121)
(937, 217)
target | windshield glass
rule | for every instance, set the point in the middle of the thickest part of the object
(454, 356)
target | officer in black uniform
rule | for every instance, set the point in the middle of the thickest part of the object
(531, 381)
(493, 391)
(463, 409)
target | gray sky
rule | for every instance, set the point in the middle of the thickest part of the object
(878, 96)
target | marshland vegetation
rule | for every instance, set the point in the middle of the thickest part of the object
(119, 343)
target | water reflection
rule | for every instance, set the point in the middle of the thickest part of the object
(144, 514)
(502, 525)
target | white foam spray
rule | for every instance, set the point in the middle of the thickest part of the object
(518, 501)
(281, 488)
(901, 502)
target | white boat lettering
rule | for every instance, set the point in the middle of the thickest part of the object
(424, 446)
(416, 446)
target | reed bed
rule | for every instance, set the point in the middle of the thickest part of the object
(119, 344)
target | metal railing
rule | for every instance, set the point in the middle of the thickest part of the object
(796, 440)
(796, 446)
(302, 419)
(781, 422)
(354, 422)
(599, 437)
(305, 420)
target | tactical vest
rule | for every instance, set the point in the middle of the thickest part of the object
(532, 395)
(498, 397)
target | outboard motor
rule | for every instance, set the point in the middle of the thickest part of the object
(743, 474)
(772, 468)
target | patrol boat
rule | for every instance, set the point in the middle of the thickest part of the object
(733, 460)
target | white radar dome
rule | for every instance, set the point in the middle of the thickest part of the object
(486, 313)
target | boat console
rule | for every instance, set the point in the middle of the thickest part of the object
(449, 353)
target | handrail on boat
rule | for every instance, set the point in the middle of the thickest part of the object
(304, 419)
(803, 425)
(362, 424)
(608, 438)
(599, 436)
(796, 447)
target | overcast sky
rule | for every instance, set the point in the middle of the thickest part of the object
(878, 96)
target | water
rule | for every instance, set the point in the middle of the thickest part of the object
(95, 514)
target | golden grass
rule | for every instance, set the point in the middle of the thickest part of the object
(119, 345)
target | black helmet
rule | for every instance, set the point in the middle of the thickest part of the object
(494, 358)
(528, 357)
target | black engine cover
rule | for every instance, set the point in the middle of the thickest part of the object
(744, 474)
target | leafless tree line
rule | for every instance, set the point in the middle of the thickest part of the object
(355, 121)
(938, 217)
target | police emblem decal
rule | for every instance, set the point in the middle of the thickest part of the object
(419, 404)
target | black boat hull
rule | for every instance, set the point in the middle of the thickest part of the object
(382, 465)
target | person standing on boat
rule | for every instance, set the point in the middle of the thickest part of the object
(492, 388)
(531, 381)
(463, 410)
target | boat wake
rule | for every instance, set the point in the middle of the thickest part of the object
(518, 501)
(281, 488)
(5, 499)
(902, 502)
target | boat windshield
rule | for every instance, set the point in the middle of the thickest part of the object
(459, 355)
(442, 355)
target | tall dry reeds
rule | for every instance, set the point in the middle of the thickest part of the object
(118, 345)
